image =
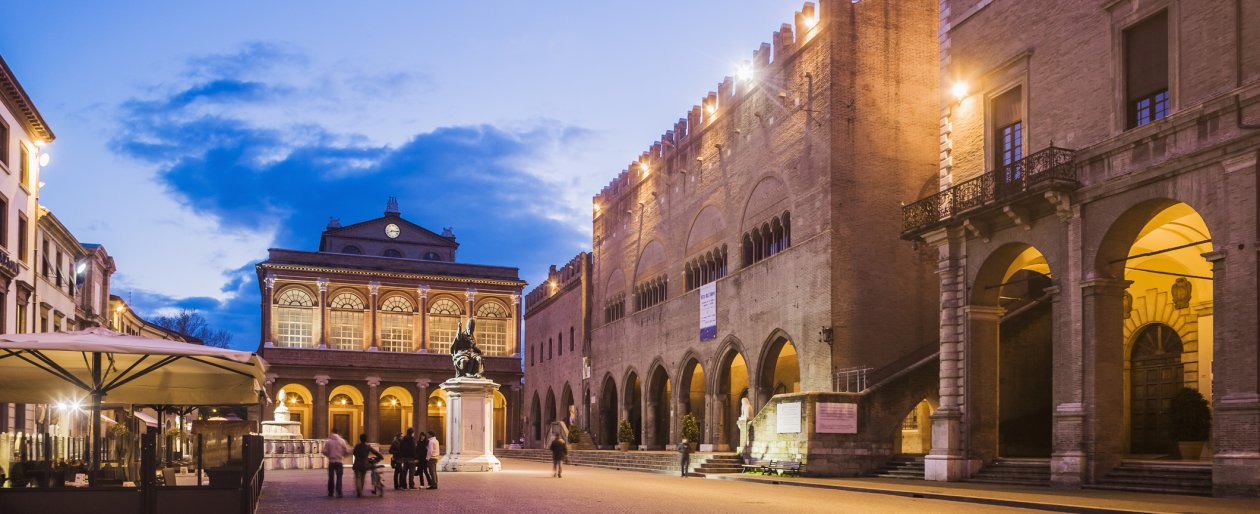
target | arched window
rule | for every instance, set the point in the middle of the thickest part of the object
(341, 400)
(351, 249)
(346, 322)
(492, 328)
(396, 314)
(443, 324)
(295, 314)
(570, 339)
(432, 256)
(560, 344)
(551, 348)
(392, 253)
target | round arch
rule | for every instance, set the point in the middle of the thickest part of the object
(345, 411)
(298, 399)
(278, 296)
(436, 415)
(395, 413)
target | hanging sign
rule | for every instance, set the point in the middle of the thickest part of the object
(708, 311)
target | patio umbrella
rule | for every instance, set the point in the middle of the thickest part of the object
(127, 369)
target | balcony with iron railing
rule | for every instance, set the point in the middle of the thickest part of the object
(1052, 169)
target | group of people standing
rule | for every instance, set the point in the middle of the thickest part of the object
(415, 457)
(410, 457)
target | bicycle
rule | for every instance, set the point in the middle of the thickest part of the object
(378, 486)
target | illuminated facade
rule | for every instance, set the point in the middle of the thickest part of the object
(358, 333)
(1095, 229)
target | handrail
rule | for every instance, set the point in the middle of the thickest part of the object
(1051, 165)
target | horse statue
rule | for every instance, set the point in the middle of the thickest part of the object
(464, 352)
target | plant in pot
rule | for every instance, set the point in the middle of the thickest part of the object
(625, 435)
(691, 430)
(1191, 421)
(575, 435)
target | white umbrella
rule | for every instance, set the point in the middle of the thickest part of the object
(126, 369)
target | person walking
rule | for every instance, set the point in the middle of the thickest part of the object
(435, 452)
(407, 450)
(684, 457)
(559, 451)
(335, 449)
(361, 463)
(395, 460)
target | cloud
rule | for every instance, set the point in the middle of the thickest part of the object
(213, 153)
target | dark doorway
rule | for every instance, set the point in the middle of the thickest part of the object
(1156, 376)
(341, 423)
(1025, 373)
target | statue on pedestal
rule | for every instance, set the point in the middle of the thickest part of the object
(465, 354)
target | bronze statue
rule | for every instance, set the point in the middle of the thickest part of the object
(464, 352)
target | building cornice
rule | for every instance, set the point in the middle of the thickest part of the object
(389, 274)
(20, 104)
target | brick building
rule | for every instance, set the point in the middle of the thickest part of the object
(358, 333)
(776, 199)
(1095, 228)
(557, 368)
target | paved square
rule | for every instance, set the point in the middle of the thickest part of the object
(525, 486)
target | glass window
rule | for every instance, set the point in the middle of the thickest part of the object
(1146, 70)
(396, 323)
(295, 315)
(492, 325)
(346, 322)
(443, 324)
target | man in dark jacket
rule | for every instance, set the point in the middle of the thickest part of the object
(407, 450)
(421, 470)
(395, 460)
(559, 451)
(684, 457)
(361, 463)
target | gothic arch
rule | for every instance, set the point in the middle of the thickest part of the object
(767, 198)
(707, 229)
(651, 261)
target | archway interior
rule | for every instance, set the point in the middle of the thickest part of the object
(437, 415)
(535, 419)
(298, 400)
(345, 412)
(608, 414)
(787, 371)
(395, 411)
(549, 407)
(568, 412)
(1025, 354)
(499, 406)
(659, 398)
(915, 437)
(693, 402)
(634, 412)
(1167, 324)
(733, 388)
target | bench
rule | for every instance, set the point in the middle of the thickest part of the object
(789, 468)
(755, 466)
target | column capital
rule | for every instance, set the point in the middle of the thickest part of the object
(423, 383)
(514, 387)
(322, 379)
(471, 293)
(1105, 286)
(270, 280)
(270, 378)
(983, 312)
(373, 381)
(516, 300)
(322, 283)
(373, 286)
(424, 291)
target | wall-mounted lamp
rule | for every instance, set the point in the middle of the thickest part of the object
(826, 335)
(959, 90)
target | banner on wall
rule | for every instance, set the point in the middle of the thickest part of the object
(708, 311)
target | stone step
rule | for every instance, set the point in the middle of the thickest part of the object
(1190, 491)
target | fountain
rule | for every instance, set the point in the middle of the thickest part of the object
(284, 446)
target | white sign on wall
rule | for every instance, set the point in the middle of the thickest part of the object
(788, 418)
(836, 418)
(708, 311)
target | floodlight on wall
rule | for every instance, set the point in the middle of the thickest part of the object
(959, 90)
(745, 72)
(44, 158)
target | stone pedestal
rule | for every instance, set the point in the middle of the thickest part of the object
(744, 449)
(469, 425)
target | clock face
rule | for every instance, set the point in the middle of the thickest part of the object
(392, 230)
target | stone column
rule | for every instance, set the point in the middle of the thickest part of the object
(322, 282)
(980, 443)
(319, 408)
(372, 409)
(518, 349)
(270, 384)
(270, 282)
(1067, 460)
(373, 287)
(422, 338)
(1102, 366)
(648, 425)
(420, 409)
(946, 461)
(472, 297)
(514, 414)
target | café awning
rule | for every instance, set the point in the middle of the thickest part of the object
(63, 366)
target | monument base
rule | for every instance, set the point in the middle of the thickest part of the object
(281, 430)
(469, 425)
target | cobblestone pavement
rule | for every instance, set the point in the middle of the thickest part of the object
(525, 486)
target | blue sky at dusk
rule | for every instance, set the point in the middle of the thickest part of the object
(193, 136)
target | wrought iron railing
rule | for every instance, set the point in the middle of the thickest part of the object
(1050, 166)
(851, 380)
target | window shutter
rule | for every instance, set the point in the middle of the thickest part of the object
(1146, 57)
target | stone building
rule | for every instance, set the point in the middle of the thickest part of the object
(93, 276)
(57, 287)
(124, 320)
(752, 253)
(1095, 228)
(358, 333)
(557, 349)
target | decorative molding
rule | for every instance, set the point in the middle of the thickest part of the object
(270, 280)
(373, 286)
(322, 379)
(423, 383)
(373, 381)
(516, 300)
(401, 276)
(472, 294)
(322, 283)
(424, 292)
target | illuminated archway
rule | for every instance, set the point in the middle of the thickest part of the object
(732, 388)
(298, 400)
(395, 413)
(691, 390)
(437, 414)
(608, 413)
(345, 411)
(657, 433)
(633, 407)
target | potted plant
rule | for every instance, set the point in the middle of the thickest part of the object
(691, 430)
(625, 435)
(575, 435)
(1191, 420)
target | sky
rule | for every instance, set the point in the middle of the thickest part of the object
(193, 136)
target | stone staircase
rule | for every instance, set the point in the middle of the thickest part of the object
(647, 461)
(1153, 476)
(1028, 472)
(902, 466)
